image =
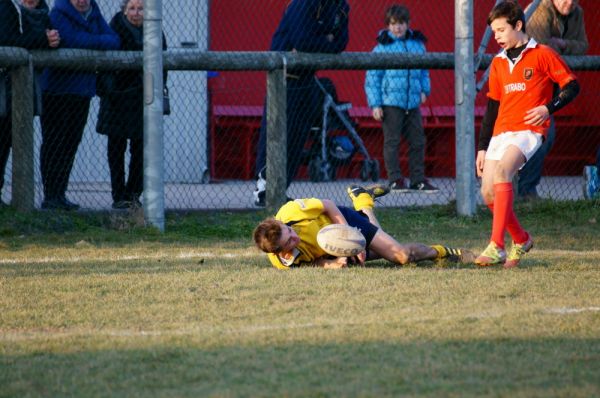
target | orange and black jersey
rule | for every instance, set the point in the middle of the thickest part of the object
(525, 84)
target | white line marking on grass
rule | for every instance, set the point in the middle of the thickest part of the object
(568, 310)
(128, 257)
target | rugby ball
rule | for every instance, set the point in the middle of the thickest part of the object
(340, 240)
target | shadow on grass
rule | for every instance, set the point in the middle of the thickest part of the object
(507, 367)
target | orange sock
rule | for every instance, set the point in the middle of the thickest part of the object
(503, 199)
(517, 233)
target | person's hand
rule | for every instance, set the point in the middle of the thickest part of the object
(360, 258)
(423, 98)
(558, 43)
(53, 37)
(480, 162)
(336, 263)
(378, 114)
(537, 115)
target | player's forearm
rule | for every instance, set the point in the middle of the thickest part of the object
(331, 263)
(566, 94)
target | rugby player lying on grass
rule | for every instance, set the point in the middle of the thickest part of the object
(290, 238)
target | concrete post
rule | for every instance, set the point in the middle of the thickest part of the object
(465, 108)
(276, 140)
(154, 189)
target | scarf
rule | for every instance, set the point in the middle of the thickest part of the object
(137, 33)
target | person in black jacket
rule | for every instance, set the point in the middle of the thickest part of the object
(312, 26)
(121, 116)
(24, 25)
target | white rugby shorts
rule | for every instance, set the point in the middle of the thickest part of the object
(526, 140)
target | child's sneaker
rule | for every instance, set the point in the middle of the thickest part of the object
(363, 198)
(398, 185)
(423, 186)
(517, 251)
(492, 255)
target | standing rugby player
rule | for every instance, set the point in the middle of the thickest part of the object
(515, 123)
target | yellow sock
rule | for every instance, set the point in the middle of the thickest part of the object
(363, 201)
(441, 250)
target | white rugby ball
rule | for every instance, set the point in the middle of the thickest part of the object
(340, 240)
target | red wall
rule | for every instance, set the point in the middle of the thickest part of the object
(250, 27)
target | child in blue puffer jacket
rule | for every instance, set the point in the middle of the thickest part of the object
(395, 96)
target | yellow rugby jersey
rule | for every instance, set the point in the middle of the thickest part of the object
(306, 218)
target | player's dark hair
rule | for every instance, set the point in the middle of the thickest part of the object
(267, 235)
(509, 9)
(397, 13)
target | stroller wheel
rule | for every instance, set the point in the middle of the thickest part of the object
(375, 171)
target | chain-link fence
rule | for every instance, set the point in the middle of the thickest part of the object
(212, 132)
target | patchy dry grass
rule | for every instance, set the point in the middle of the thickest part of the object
(91, 311)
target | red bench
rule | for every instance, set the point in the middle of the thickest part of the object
(234, 136)
(233, 139)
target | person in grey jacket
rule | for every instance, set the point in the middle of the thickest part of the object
(395, 97)
(24, 25)
(560, 25)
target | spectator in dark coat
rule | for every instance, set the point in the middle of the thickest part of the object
(313, 26)
(121, 115)
(24, 25)
(66, 96)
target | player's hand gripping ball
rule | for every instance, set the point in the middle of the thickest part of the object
(340, 240)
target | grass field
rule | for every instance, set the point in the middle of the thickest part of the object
(93, 305)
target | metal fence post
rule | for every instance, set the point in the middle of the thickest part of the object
(23, 191)
(154, 188)
(465, 107)
(276, 140)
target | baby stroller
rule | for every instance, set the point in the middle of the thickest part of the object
(327, 152)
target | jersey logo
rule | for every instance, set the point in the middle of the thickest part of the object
(528, 73)
(512, 87)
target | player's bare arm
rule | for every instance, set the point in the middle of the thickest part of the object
(332, 263)
(333, 212)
